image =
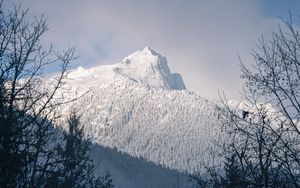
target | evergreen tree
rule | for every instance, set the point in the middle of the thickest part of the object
(233, 173)
(75, 155)
(77, 168)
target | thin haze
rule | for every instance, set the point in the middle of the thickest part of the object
(201, 39)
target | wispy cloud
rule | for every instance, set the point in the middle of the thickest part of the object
(200, 39)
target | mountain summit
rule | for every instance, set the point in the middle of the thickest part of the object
(145, 67)
(150, 68)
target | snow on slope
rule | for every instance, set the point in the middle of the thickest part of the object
(138, 107)
(145, 67)
(171, 128)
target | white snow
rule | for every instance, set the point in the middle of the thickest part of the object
(146, 67)
(139, 107)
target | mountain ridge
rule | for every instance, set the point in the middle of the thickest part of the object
(145, 67)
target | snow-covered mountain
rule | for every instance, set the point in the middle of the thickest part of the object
(144, 67)
(140, 108)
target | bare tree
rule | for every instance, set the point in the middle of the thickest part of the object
(264, 131)
(26, 104)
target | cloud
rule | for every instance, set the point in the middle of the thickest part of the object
(200, 38)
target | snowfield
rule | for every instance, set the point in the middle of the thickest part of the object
(140, 108)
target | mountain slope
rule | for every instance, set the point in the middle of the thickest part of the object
(130, 172)
(139, 107)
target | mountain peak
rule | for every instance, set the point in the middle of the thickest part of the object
(150, 68)
(147, 55)
(150, 51)
(145, 67)
(147, 48)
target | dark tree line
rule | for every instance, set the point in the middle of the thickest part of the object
(264, 146)
(29, 157)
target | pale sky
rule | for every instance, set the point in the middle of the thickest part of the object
(200, 38)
